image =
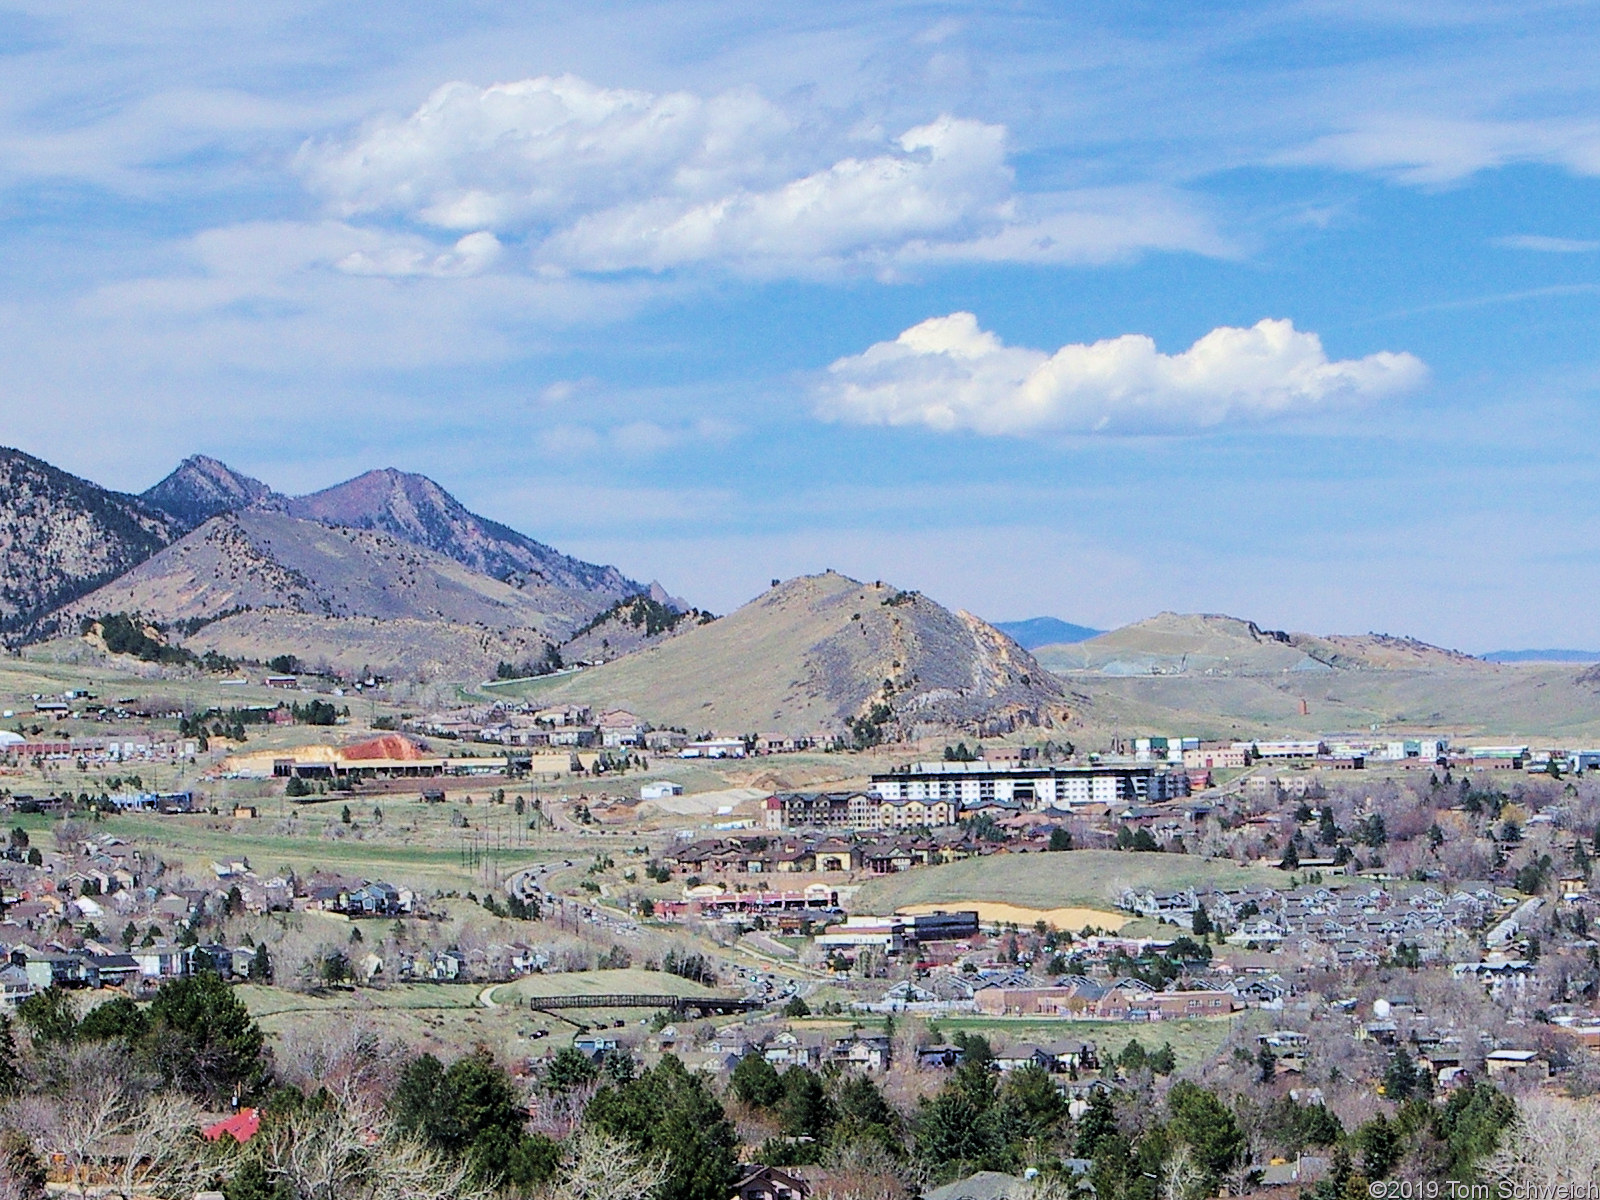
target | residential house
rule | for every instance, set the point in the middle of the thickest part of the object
(756, 1182)
(15, 985)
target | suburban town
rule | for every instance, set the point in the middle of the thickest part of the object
(1315, 934)
(874, 600)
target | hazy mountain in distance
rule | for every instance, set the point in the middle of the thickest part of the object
(61, 536)
(201, 488)
(1045, 631)
(1553, 656)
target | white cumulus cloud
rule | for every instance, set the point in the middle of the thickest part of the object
(602, 180)
(948, 374)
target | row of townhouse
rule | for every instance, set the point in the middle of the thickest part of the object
(860, 1049)
(29, 969)
(483, 964)
(1272, 914)
(367, 899)
(1124, 999)
(880, 853)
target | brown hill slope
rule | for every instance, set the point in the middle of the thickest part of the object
(628, 626)
(61, 536)
(819, 652)
(261, 560)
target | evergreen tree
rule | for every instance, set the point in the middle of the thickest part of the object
(1031, 1103)
(49, 1015)
(863, 1114)
(570, 1069)
(1379, 1145)
(804, 1109)
(1096, 1125)
(755, 1082)
(668, 1112)
(116, 1019)
(10, 1073)
(1206, 1125)
(203, 1039)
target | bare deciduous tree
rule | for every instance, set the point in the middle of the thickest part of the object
(1180, 1175)
(346, 1151)
(1551, 1142)
(601, 1167)
(864, 1171)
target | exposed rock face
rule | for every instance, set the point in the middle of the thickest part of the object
(415, 509)
(61, 536)
(201, 488)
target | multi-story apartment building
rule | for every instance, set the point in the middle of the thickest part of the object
(1032, 787)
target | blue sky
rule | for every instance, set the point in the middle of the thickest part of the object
(1281, 310)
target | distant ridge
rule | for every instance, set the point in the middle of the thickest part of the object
(1045, 631)
(1216, 644)
(1555, 656)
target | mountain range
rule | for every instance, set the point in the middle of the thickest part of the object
(389, 572)
(208, 544)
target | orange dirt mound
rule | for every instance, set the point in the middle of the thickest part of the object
(389, 745)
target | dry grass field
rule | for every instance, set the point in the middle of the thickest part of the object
(1081, 879)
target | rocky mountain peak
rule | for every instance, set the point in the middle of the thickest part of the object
(202, 487)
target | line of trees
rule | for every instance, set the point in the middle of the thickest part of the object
(117, 1091)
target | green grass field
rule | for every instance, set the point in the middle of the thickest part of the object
(271, 1001)
(415, 846)
(1079, 879)
(630, 981)
(1193, 1042)
(442, 1019)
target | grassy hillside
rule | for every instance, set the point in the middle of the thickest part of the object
(1090, 879)
(1532, 701)
(815, 651)
(406, 648)
(629, 981)
(1193, 642)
